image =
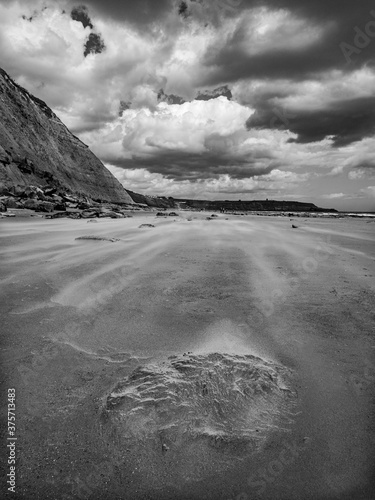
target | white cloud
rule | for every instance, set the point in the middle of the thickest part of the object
(333, 196)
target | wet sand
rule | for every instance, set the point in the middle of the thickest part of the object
(79, 317)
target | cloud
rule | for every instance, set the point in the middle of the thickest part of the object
(309, 112)
(224, 186)
(336, 105)
(333, 196)
(194, 140)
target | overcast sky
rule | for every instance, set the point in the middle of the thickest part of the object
(294, 116)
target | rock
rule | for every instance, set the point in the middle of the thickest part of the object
(83, 205)
(26, 166)
(173, 214)
(31, 204)
(56, 215)
(294, 227)
(50, 190)
(161, 214)
(97, 238)
(41, 206)
(60, 207)
(46, 206)
(146, 225)
(89, 214)
(17, 190)
(112, 215)
(10, 202)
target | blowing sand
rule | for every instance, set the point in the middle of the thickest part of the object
(230, 358)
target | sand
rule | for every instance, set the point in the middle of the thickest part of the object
(295, 306)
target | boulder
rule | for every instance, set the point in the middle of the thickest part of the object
(50, 191)
(31, 204)
(59, 207)
(112, 215)
(84, 205)
(10, 202)
(89, 214)
(40, 206)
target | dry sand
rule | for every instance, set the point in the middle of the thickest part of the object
(290, 313)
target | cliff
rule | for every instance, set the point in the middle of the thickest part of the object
(37, 149)
(253, 205)
(152, 201)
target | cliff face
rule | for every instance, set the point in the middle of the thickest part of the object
(36, 148)
(152, 201)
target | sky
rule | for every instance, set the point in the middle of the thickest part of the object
(214, 99)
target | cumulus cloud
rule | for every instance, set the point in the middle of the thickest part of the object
(300, 115)
(194, 140)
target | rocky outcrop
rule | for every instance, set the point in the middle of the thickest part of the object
(37, 149)
(193, 415)
(152, 201)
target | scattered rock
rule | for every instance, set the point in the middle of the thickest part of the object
(173, 214)
(97, 238)
(161, 214)
(146, 225)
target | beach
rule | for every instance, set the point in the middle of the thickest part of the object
(293, 306)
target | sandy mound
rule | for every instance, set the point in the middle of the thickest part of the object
(193, 414)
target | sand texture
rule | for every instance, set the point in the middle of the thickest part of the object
(221, 359)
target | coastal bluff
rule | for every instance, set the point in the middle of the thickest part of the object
(37, 149)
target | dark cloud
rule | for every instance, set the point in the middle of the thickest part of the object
(140, 12)
(348, 43)
(183, 9)
(94, 45)
(194, 167)
(80, 14)
(346, 121)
